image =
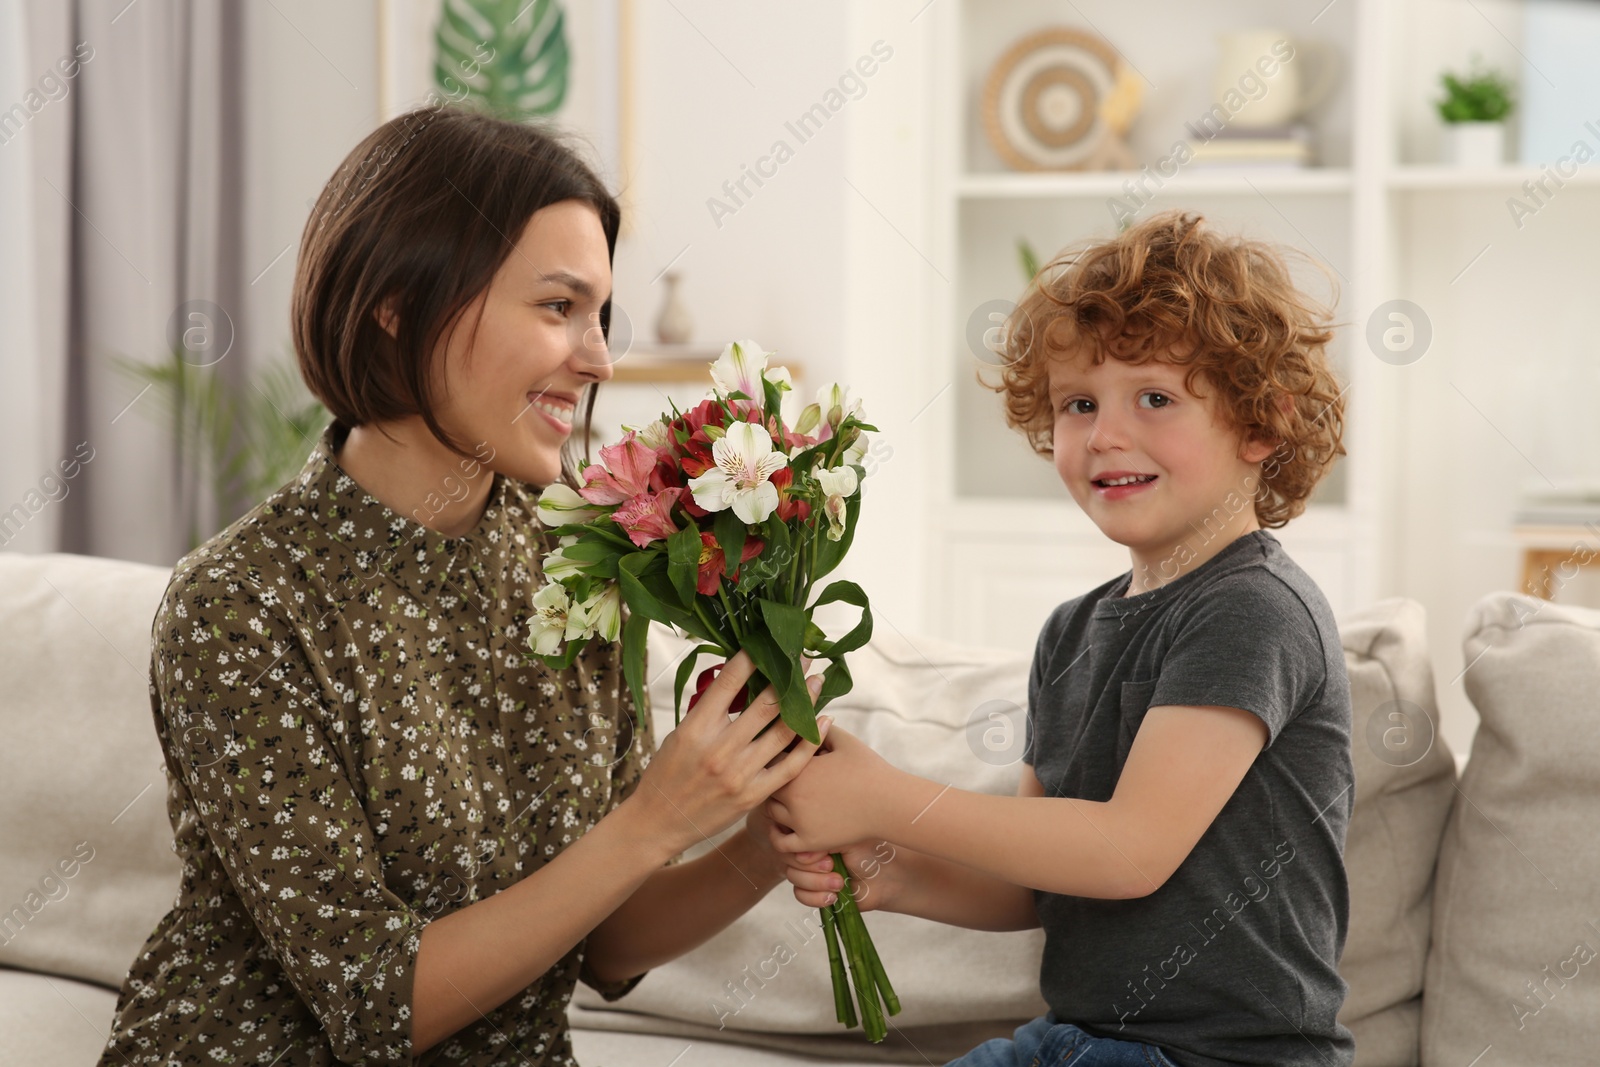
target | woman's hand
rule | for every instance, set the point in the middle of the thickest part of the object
(710, 771)
(877, 880)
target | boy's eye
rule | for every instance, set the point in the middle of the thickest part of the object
(1068, 409)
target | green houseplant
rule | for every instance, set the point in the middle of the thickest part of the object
(247, 440)
(1474, 109)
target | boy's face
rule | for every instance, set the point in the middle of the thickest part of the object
(1117, 418)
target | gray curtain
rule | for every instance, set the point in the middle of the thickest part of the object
(136, 210)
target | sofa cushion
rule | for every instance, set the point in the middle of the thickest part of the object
(88, 866)
(1515, 958)
(926, 706)
(1405, 777)
(49, 1021)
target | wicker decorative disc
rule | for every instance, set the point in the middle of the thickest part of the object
(1042, 99)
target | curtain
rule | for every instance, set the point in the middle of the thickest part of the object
(128, 173)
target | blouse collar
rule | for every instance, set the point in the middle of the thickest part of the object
(423, 560)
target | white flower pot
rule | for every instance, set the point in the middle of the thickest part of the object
(1474, 144)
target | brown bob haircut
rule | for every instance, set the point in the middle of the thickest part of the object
(423, 212)
(1169, 289)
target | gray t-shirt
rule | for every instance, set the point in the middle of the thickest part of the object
(1234, 959)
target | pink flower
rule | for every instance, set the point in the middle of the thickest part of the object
(625, 472)
(648, 516)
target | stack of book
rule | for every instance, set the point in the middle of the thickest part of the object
(1250, 146)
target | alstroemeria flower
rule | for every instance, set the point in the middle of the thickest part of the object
(833, 406)
(789, 505)
(553, 621)
(625, 472)
(742, 366)
(838, 485)
(560, 504)
(648, 516)
(712, 561)
(744, 462)
(602, 613)
(557, 567)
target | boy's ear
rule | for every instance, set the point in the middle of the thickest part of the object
(385, 314)
(1257, 449)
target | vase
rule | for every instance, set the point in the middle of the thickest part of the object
(1474, 144)
(673, 325)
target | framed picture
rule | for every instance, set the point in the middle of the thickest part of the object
(584, 82)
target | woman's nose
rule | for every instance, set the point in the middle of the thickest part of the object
(592, 356)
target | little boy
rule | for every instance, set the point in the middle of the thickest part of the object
(1187, 782)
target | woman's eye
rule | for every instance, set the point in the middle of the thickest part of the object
(560, 305)
(1165, 399)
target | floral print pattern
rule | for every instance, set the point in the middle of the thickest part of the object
(357, 743)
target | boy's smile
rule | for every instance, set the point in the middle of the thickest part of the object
(1151, 464)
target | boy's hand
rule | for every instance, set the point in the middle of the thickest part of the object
(876, 880)
(836, 800)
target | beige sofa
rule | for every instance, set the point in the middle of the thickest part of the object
(1470, 897)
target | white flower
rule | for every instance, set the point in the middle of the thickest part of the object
(552, 621)
(557, 567)
(602, 613)
(654, 435)
(744, 462)
(858, 451)
(742, 366)
(560, 504)
(839, 485)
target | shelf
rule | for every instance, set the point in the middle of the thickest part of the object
(1194, 180)
(1510, 176)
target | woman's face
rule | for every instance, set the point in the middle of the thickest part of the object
(509, 393)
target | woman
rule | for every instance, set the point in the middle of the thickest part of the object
(404, 839)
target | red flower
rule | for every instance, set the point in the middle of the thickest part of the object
(703, 682)
(789, 506)
(712, 561)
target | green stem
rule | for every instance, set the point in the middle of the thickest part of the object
(842, 1008)
(733, 619)
(866, 988)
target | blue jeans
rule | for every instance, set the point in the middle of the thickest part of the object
(1046, 1042)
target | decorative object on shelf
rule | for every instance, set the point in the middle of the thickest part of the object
(1254, 146)
(673, 324)
(1474, 109)
(722, 521)
(1061, 99)
(1261, 56)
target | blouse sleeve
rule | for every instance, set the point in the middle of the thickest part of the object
(637, 746)
(238, 709)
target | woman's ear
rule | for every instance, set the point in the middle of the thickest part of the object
(385, 315)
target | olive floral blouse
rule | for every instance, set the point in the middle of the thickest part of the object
(356, 743)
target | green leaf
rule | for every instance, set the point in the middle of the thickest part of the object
(836, 682)
(506, 57)
(783, 671)
(635, 638)
(786, 623)
(831, 553)
(683, 563)
(730, 532)
(849, 593)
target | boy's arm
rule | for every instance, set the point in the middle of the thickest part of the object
(1185, 763)
(915, 883)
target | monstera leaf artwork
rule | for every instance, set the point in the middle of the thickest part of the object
(508, 57)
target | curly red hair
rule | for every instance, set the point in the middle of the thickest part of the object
(1169, 289)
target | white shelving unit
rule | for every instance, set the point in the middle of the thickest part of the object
(1439, 450)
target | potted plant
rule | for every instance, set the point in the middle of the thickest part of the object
(1474, 109)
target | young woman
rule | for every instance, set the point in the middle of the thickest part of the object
(403, 839)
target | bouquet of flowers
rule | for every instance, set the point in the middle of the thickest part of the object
(720, 521)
